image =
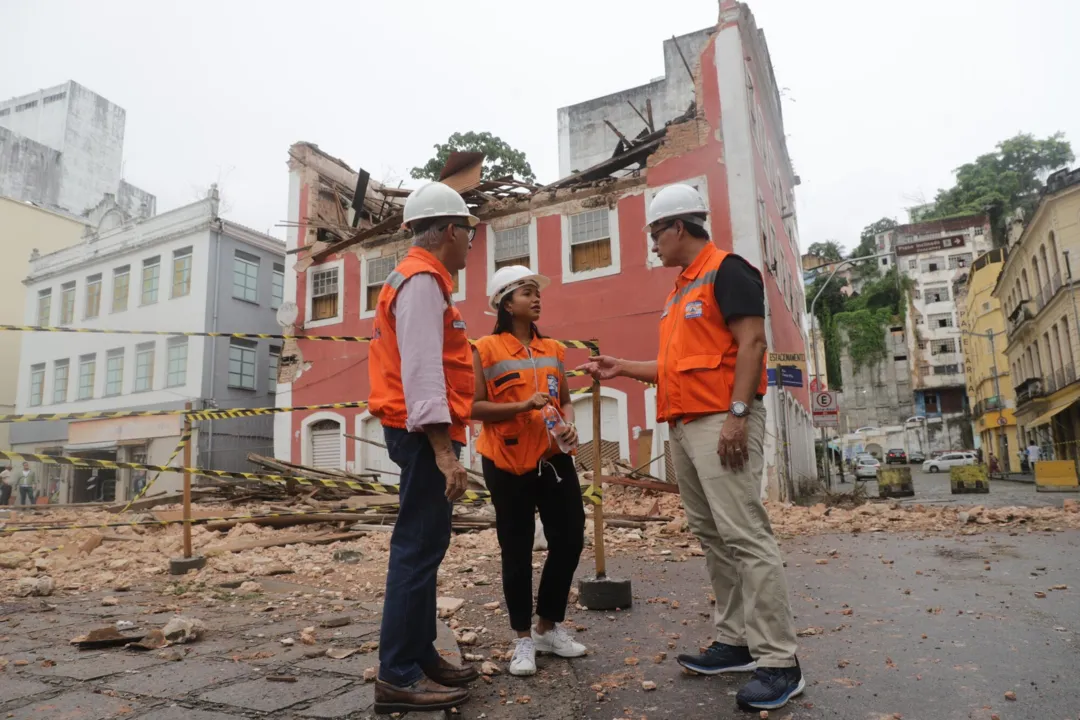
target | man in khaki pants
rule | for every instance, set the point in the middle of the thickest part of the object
(710, 377)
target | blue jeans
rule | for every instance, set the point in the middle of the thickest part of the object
(417, 547)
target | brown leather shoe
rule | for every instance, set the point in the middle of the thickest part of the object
(451, 675)
(422, 695)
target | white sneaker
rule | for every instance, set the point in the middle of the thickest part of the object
(523, 663)
(558, 642)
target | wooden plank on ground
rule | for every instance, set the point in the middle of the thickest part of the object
(280, 540)
(645, 484)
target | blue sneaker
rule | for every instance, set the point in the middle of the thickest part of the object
(771, 688)
(719, 658)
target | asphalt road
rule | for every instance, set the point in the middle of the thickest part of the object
(930, 627)
(934, 488)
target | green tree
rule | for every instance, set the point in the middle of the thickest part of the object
(1005, 180)
(500, 160)
(831, 301)
(868, 238)
(829, 250)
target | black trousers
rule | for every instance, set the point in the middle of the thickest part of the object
(517, 498)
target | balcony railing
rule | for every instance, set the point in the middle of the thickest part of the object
(988, 405)
(1052, 385)
(1029, 390)
(1019, 316)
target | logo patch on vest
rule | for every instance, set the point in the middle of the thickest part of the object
(553, 386)
(459, 324)
(694, 309)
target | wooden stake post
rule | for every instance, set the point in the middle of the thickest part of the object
(598, 483)
(187, 482)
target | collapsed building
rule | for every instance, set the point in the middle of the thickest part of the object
(584, 231)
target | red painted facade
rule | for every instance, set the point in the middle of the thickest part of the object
(621, 310)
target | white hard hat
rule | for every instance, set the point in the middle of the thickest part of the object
(436, 200)
(674, 201)
(508, 279)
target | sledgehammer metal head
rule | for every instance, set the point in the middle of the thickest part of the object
(604, 593)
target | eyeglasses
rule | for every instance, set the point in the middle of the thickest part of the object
(655, 234)
(469, 230)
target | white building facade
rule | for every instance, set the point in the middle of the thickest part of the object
(185, 271)
(62, 147)
(937, 255)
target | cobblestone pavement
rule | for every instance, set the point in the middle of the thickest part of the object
(236, 671)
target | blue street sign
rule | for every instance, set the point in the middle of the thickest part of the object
(789, 376)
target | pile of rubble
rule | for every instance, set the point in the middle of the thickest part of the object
(794, 520)
(349, 555)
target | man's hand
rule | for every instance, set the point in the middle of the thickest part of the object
(454, 471)
(536, 402)
(733, 448)
(569, 435)
(603, 367)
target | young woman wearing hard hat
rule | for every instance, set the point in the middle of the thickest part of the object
(524, 404)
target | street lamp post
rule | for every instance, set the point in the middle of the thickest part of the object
(817, 364)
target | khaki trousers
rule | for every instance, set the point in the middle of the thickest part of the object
(725, 512)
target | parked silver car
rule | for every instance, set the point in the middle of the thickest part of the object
(867, 466)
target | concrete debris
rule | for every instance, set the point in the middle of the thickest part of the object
(447, 606)
(648, 685)
(181, 630)
(11, 560)
(35, 586)
(338, 653)
(490, 668)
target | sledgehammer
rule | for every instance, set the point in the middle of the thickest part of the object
(601, 592)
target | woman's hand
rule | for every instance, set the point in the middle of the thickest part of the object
(569, 435)
(536, 402)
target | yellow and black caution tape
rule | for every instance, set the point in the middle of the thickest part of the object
(273, 479)
(185, 438)
(211, 414)
(591, 345)
(174, 333)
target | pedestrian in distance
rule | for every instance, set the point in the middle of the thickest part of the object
(5, 485)
(523, 401)
(421, 374)
(27, 485)
(711, 380)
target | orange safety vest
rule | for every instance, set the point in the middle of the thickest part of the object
(387, 398)
(514, 373)
(696, 367)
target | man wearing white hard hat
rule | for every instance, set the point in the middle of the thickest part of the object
(711, 380)
(421, 374)
(523, 401)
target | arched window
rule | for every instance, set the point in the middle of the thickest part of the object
(1054, 254)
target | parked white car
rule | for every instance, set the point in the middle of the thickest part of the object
(867, 467)
(948, 460)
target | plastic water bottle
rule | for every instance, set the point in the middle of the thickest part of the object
(556, 426)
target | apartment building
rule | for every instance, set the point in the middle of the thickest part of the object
(986, 366)
(1038, 294)
(183, 271)
(937, 256)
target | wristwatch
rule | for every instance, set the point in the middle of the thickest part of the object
(739, 409)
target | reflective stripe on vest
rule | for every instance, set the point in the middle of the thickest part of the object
(387, 398)
(517, 445)
(696, 362)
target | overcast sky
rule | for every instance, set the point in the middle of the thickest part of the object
(882, 99)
